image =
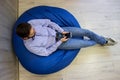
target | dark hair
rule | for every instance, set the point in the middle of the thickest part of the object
(23, 30)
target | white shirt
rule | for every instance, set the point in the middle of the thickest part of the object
(44, 42)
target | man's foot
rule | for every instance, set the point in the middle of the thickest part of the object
(110, 42)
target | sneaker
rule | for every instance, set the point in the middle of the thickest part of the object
(110, 42)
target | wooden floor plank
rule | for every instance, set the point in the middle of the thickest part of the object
(92, 63)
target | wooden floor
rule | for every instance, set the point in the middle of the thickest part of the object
(8, 61)
(92, 63)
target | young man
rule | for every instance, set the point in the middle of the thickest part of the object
(42, 37)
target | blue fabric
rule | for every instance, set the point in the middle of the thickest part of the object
(59, 59)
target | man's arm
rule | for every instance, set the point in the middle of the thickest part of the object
(55, 26)
(42, 51)
(36, 22)
(46, 23)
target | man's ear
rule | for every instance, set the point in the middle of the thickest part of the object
(25, 38)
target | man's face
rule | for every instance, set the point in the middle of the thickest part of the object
(32, 34)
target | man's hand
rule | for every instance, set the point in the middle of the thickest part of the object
(64, 32)
(64, 39)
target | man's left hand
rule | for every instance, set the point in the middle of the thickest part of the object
(64, 32)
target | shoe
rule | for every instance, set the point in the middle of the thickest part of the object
(110, 42)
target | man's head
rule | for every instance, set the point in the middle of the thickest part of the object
(25, 31)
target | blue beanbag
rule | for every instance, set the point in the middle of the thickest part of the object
(57, 60)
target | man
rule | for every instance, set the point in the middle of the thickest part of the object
(41, 37)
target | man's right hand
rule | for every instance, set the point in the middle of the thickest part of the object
(64, 39)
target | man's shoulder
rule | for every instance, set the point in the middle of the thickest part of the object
(36, 20)
(37, 41)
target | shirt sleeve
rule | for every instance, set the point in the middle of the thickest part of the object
(55, 26)
(36, 22)
(46, 23)
(42, 51)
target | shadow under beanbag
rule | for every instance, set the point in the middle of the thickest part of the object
(57, 60)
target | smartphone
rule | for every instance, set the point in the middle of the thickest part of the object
(68, 35)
